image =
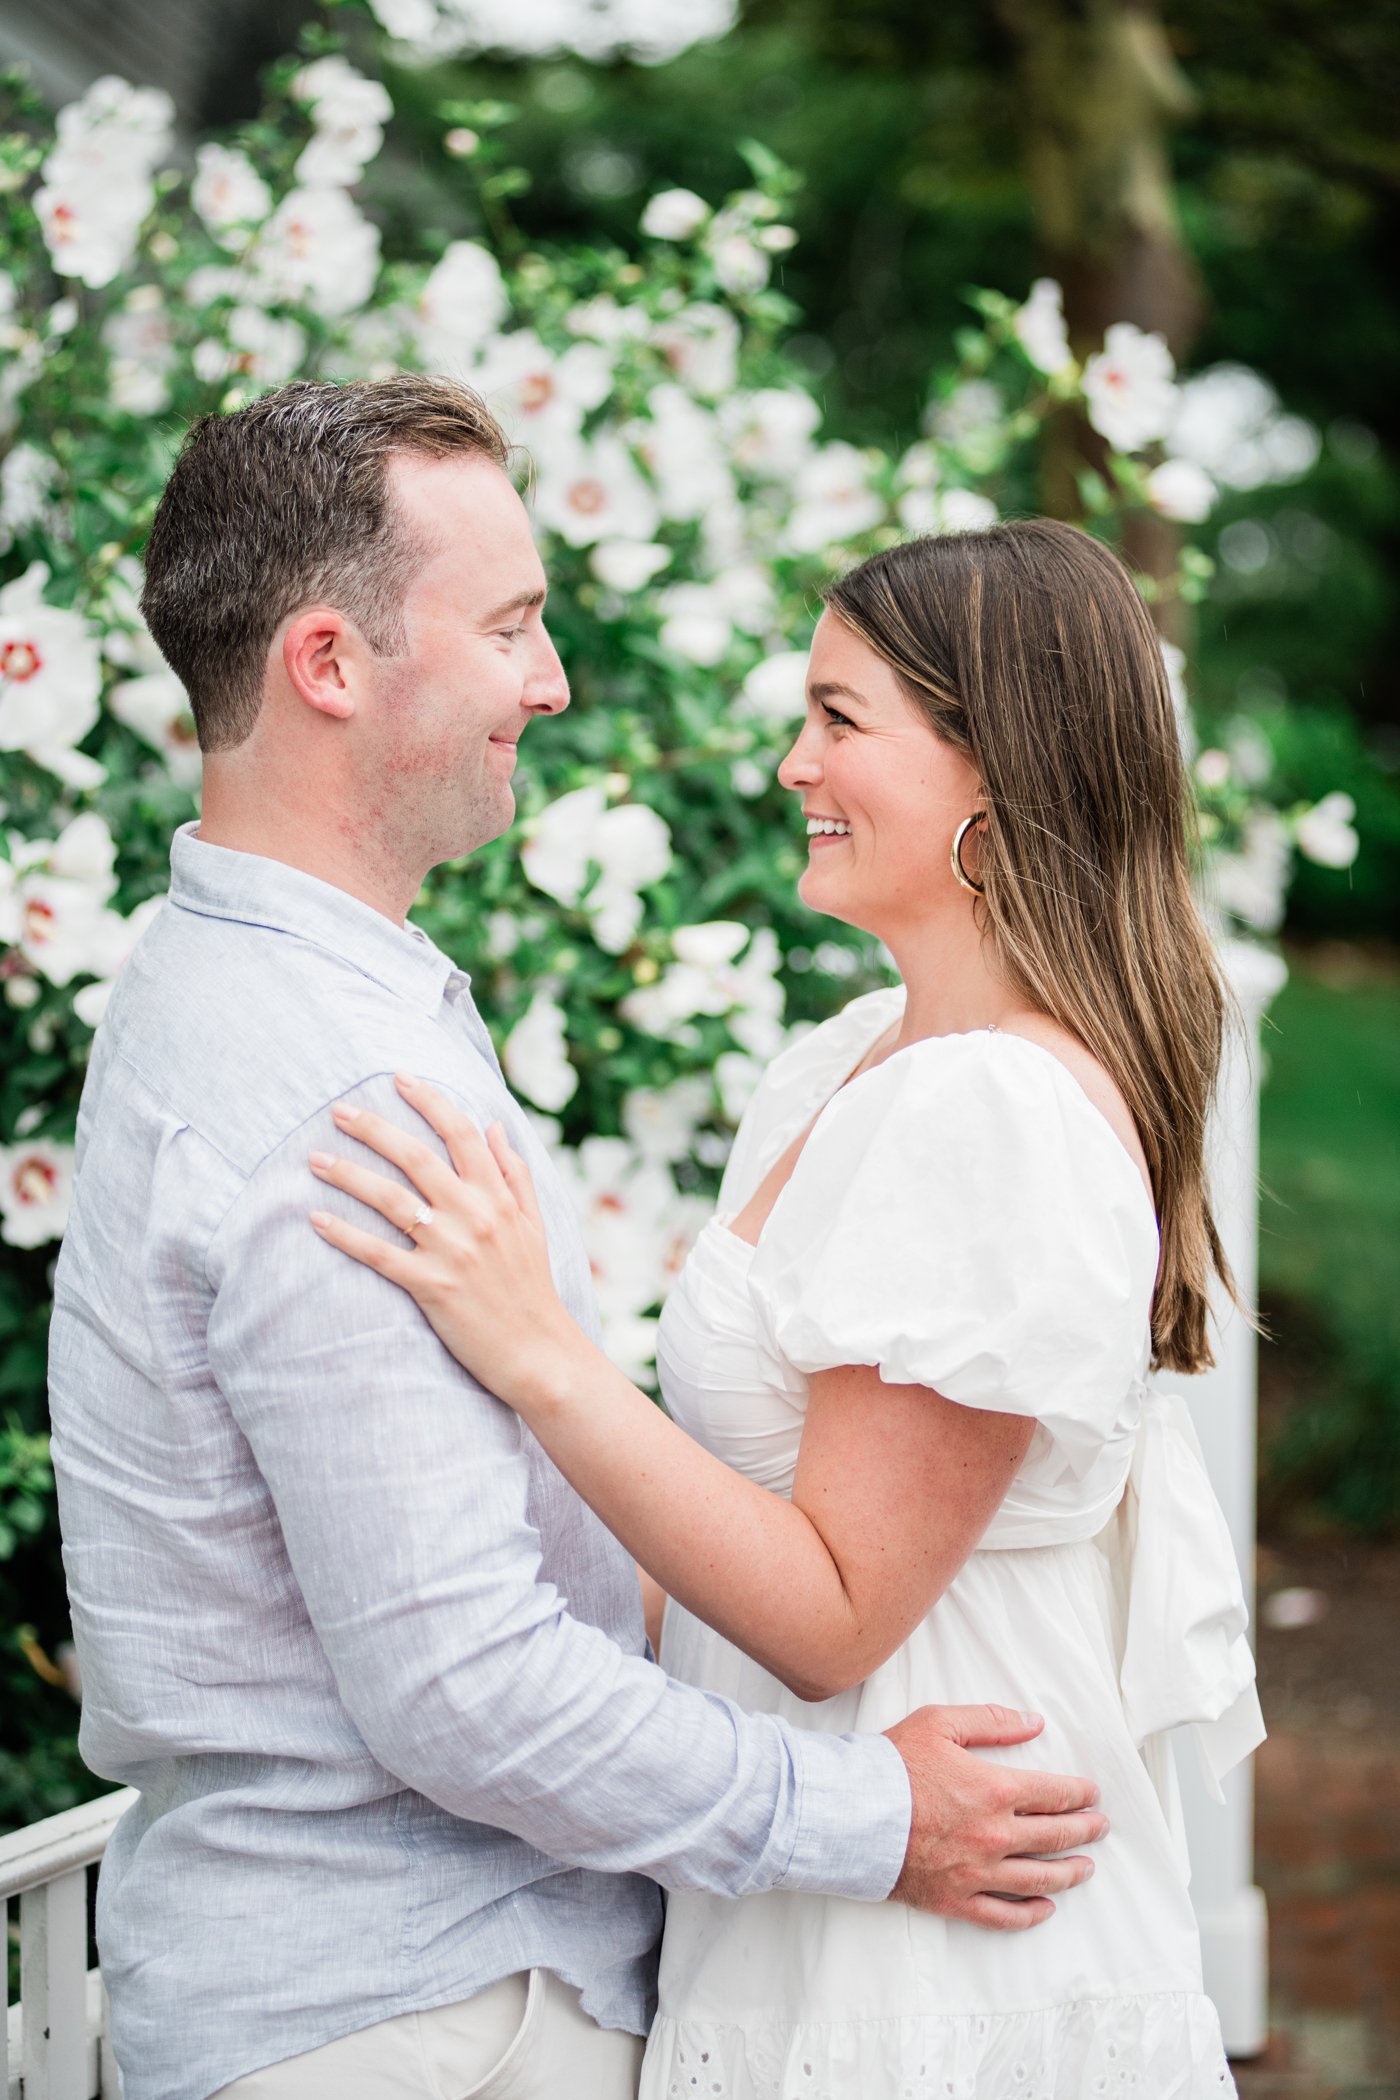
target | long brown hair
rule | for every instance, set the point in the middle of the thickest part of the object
(1029, 650)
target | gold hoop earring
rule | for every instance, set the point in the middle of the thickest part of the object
(978, 889)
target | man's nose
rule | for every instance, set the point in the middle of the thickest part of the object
(548, 690)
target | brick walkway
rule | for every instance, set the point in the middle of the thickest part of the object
(1328, 1843)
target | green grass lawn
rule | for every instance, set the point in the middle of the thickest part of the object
(1330, 1243)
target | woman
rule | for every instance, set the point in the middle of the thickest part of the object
(912, 1455)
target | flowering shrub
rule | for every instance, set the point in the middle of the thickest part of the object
(637, 945)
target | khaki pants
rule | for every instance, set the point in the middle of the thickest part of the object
(524, 2038)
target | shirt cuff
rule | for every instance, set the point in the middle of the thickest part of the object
(853, 1816)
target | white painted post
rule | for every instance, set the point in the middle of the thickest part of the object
(53, 1987)
(1224, 1405)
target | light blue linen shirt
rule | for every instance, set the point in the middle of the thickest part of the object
(376, 1670)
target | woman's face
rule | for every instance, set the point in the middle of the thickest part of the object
(868, 762)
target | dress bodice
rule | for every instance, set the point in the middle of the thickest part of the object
(914, 1234)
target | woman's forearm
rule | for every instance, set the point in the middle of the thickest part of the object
(744, 1560)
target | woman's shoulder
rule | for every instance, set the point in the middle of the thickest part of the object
(995, 1103)
(963, 1216)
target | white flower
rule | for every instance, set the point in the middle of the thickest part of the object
(603, 320)
(775, 690)
(36, 1190)
(141, 345)
(740, 264)
(27, 481)
(701, 346)
(157, 708)
(349, 114)
(625, 1204)
(536, 1055)
(633, 850)
(674, 215)
(57, 905)
(1326, 834)
(50, 680)
(650, 31)
(709, 946)
(318, 250)
(1181, 490)
(1130, 392)
(1251, 883)
(229, 195)
(770, 431)
(629, 845)
(409, 21)
(1039, 327)
(538, 396)
(96, 186)
(1228, 422)
(627, 565)
(706, 979)
(835, 501)
(680, 444)
(262, 347)
(695, 623)
(662, 1121)
(592, 490)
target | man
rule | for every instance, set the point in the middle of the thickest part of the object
(407, 1778)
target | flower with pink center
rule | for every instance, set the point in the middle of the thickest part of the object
(1130, 391)
(318, 250)
(592, 490)
(50, 680)
(97, 185)
(539, 396)
(36, 1190)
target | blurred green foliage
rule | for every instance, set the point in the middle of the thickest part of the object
(1330, 1226)
(903, 122)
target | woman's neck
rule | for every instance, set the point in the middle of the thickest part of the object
(951, 980)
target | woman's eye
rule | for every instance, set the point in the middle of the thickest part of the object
(834, 715)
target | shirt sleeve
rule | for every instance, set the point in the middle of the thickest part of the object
(964, 1218)
(402, 1491)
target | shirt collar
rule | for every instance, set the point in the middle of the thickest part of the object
(222, 883)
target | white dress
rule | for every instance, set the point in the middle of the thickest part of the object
(963, 1217)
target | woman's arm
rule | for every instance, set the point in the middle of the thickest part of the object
(894, 1486)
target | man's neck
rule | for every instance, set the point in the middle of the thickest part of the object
(323, 846)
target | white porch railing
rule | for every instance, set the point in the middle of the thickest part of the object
(53, 2044)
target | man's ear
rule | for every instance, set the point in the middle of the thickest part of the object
(322, 654)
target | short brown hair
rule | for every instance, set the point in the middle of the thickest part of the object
(282, 503)
(1029, 650)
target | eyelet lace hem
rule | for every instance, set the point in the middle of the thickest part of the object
(1165, 2046)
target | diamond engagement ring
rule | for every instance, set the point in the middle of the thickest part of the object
(422, 1216)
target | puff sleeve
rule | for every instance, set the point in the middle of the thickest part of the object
(964, 1218)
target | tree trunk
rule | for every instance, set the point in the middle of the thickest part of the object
(1100, 93)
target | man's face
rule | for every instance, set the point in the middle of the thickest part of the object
(477, 664)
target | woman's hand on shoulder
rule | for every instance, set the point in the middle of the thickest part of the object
(478, 1264)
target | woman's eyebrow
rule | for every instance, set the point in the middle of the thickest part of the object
(829, 690)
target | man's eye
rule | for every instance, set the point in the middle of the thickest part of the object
(511, 634)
